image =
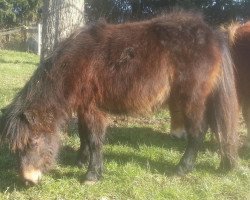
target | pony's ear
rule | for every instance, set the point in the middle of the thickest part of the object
(30, 117)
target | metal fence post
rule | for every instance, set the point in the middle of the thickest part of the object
(39, 38)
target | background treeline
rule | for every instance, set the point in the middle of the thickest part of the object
(19, 12)
(24, 12)
(216, 11)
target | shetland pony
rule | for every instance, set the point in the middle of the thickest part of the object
(239, 39)
(240, 47)
(127, 69)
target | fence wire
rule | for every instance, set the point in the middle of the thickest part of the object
(24, 38)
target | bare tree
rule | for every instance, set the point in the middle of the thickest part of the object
(60, 18)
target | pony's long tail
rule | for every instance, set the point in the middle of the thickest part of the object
(223, 109)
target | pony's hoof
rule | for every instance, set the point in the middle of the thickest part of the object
(81, 164)
(91, 178)
(87, 182)
(227, 165)
(182, 170)
(29, 183)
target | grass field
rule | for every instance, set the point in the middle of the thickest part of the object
(140, 158)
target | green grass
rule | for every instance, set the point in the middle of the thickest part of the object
(140, 157)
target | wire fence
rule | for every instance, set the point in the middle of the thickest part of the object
(24, 38)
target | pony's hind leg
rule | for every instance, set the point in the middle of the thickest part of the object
(177, 127)
(193, 107)
(195, 137)
(95, 123)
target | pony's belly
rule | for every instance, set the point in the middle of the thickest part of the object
(136, 102)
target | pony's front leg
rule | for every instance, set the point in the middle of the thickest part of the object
(96, 124)
(83, 129)
(95, 168)
(83, 152)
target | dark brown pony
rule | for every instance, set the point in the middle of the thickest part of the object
(127, 69)
(239, 39)
(240, 45)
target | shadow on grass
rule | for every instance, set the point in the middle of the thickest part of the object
(9, 179)
(244, 153)
(134, 138)
(131, 137)
(67, 156)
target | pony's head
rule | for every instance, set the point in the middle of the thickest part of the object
(28, 137)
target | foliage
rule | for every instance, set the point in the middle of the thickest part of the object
(16, 12)
(139, 158)
(19, 12)
(216, 11)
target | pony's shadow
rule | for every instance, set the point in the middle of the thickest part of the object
(9, 179)
(131, 137)
(244, 153)
(135, 138)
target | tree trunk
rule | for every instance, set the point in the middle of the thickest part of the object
(60, 19)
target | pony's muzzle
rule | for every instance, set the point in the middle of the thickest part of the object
(31, 176)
